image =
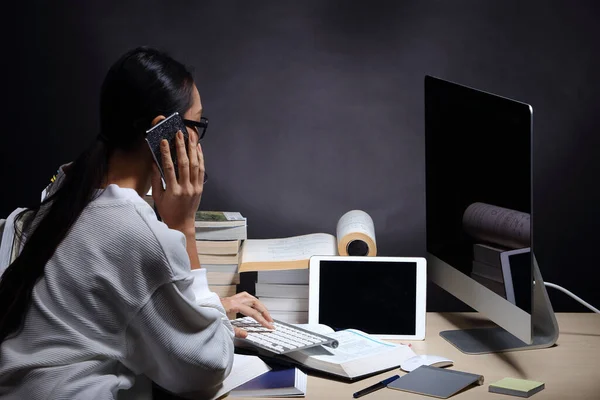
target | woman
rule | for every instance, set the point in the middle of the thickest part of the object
(103, 296)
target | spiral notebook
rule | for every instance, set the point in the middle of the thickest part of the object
(436, 382)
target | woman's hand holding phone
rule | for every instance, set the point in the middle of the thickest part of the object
(177, 206)
(178, 203)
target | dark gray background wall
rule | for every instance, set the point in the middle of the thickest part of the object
(316, 107)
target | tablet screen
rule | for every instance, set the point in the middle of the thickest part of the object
(376, 297)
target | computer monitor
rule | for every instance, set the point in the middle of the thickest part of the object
(478, 149)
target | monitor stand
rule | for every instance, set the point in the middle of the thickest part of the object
(495, 340)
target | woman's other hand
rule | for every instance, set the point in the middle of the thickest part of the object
(178, 203)
(249, 306)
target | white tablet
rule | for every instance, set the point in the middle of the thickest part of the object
(382, 296)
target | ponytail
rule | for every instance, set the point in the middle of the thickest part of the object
(141, 85)
(56, 216)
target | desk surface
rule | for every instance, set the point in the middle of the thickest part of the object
(570, 370)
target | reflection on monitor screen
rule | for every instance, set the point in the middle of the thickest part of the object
(478, 149)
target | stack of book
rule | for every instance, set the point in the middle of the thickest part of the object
(487, 267)
(219, 236)
(278, 267)
(285, 294)
(279, 270)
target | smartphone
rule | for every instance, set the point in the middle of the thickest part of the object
(166, 129)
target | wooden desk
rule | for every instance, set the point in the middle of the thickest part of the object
(570, 370)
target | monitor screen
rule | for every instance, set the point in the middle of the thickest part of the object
(384, 293)
(478, 182)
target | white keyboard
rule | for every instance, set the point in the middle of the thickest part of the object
(283, 339)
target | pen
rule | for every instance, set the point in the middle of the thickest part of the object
(377, 386)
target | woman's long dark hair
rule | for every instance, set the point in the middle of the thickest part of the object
(141, 85)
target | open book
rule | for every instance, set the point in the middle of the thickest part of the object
(355, 235)
(357, 355)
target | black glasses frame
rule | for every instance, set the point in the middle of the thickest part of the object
(199, 126)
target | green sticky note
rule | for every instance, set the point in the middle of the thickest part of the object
(516, 387)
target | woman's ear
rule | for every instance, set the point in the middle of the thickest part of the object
(157, 119)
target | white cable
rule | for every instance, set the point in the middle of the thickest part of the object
(565, 291)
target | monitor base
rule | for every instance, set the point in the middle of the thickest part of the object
(496, 339)
(486, 340)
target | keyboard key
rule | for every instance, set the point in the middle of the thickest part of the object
(284, 338)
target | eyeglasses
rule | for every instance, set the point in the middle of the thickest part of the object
(199, 127)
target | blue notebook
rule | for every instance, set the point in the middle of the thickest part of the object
(290, 382)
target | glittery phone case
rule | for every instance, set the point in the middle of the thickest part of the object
(166, 129)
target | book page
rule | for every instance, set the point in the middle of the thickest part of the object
(288, 249)
(316, 328)
(356, 225)
(353, 345)
(498, 225)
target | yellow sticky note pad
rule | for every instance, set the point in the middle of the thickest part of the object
(516, 387)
